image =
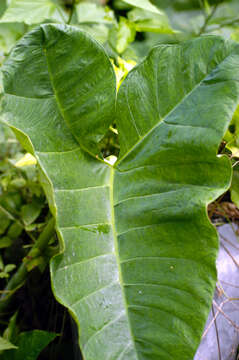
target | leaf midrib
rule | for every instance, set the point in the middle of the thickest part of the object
(116, 248)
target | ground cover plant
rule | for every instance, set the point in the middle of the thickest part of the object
(136, 262)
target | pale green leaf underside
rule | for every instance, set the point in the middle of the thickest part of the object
(138, 267)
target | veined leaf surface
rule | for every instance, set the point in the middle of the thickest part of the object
(137, 268)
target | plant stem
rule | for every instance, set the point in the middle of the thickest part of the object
(18, 279)
(71, 13)
(207, 19)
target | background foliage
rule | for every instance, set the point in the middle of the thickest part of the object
(127, 30)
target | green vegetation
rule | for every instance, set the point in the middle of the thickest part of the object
(127, 174)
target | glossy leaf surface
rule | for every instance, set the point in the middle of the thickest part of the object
(137, 268)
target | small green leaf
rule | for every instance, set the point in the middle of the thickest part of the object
(93, 13)
(122, 35)
(30, 212)
(3, 275)
(10, 333)
(143, 4)
(148, 21)
(6, 345)
(15, 231)
(5, 242)
(4, 222)
(34, 11)
(9, 267)
(30, 344)
(126, 35)
(11, 202)
(1, 263)
(18, 183)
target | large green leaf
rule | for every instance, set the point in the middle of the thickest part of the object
(137, 268)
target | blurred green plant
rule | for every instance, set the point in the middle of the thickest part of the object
(23, 345)
(26, 228)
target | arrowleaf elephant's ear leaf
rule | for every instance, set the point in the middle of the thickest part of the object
(62, 63)
(137, 268)
(172, 112)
